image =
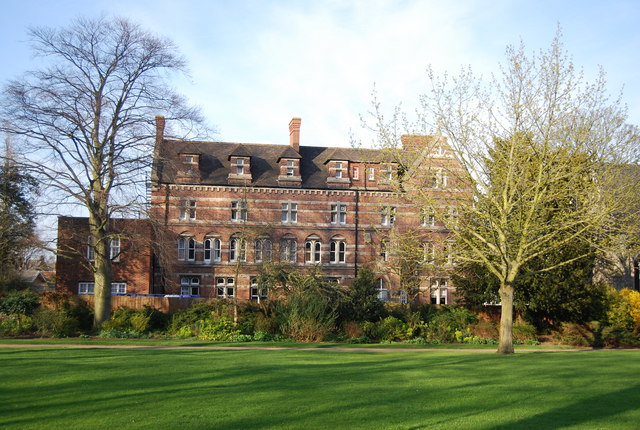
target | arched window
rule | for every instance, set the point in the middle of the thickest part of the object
(288, 249)
(217, 249)
(186, 248)
(237, 249)
(212, 249)
(337, 250)
(312, 250)
(207, 250)
(262, 250)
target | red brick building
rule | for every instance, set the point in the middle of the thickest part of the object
(131, 256)
(226, 209)
(233, 207)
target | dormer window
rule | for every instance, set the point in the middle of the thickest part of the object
(239, 169)
(338, 169)
(289, 172)
(356, 173)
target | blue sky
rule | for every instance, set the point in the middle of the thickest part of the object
(256, 64)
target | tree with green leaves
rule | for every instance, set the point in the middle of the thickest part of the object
(17, 218)
(86, 122)
(539, 147)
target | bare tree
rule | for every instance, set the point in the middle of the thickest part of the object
(87, 122)
(538, 147)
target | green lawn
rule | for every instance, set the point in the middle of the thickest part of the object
(204, 389)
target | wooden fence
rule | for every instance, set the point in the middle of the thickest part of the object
(163, 304)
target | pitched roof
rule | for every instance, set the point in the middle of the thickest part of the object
(265, 168)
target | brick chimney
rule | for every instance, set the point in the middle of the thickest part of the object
(294, 134)
(159, 128)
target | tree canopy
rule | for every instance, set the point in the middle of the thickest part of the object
(539, 146)
(86, 121)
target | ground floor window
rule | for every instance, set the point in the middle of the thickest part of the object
(383, 292)
(256, 292)
(439, 291)
(89, 288)
(118, 288)
(225, 288)
(189, 285)
(85, 288)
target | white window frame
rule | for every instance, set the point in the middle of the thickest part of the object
(114, 249)
(288, 250)
(225, 287)
(91, 249)
(384, 251)
(189, 285)
(182, 248)
(338, 168)
(439, 289)
(428, 252)
(188, 207)
(237, 250)
(383, 292)
(263, 250)
(86, 288)
(312, 251)
(338, 251)
(118, 288)
(238, 211)
(240, 166)
(255, 292)
(217, 249)
(289, 213)
(339, 213)
(207, 251)
(371, 174)
(356, 173)
(388, 215)
(428, 219)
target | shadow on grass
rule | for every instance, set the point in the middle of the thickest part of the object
(301, 389)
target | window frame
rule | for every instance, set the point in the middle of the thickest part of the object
(239, 211)
(225, 287)
(313, 251)
(338, 251)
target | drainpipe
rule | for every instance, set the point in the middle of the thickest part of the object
(357, 228)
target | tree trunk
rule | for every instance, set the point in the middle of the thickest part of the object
(506, 319)
(102, 276)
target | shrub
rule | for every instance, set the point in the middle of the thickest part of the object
(121, 334)
(575, 334)
(633, 298)
(458, 318)
(524, 331)
(15, 325)
(265, 323)
(485, 329)
(362, 303)
(352, 329)
(306, 318)
(437, 330)
(217, 329)
(393, 329)
(55, 323)
(23, 302)
(197, 312)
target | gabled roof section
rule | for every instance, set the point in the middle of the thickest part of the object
(240, 151)
(289, 153)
